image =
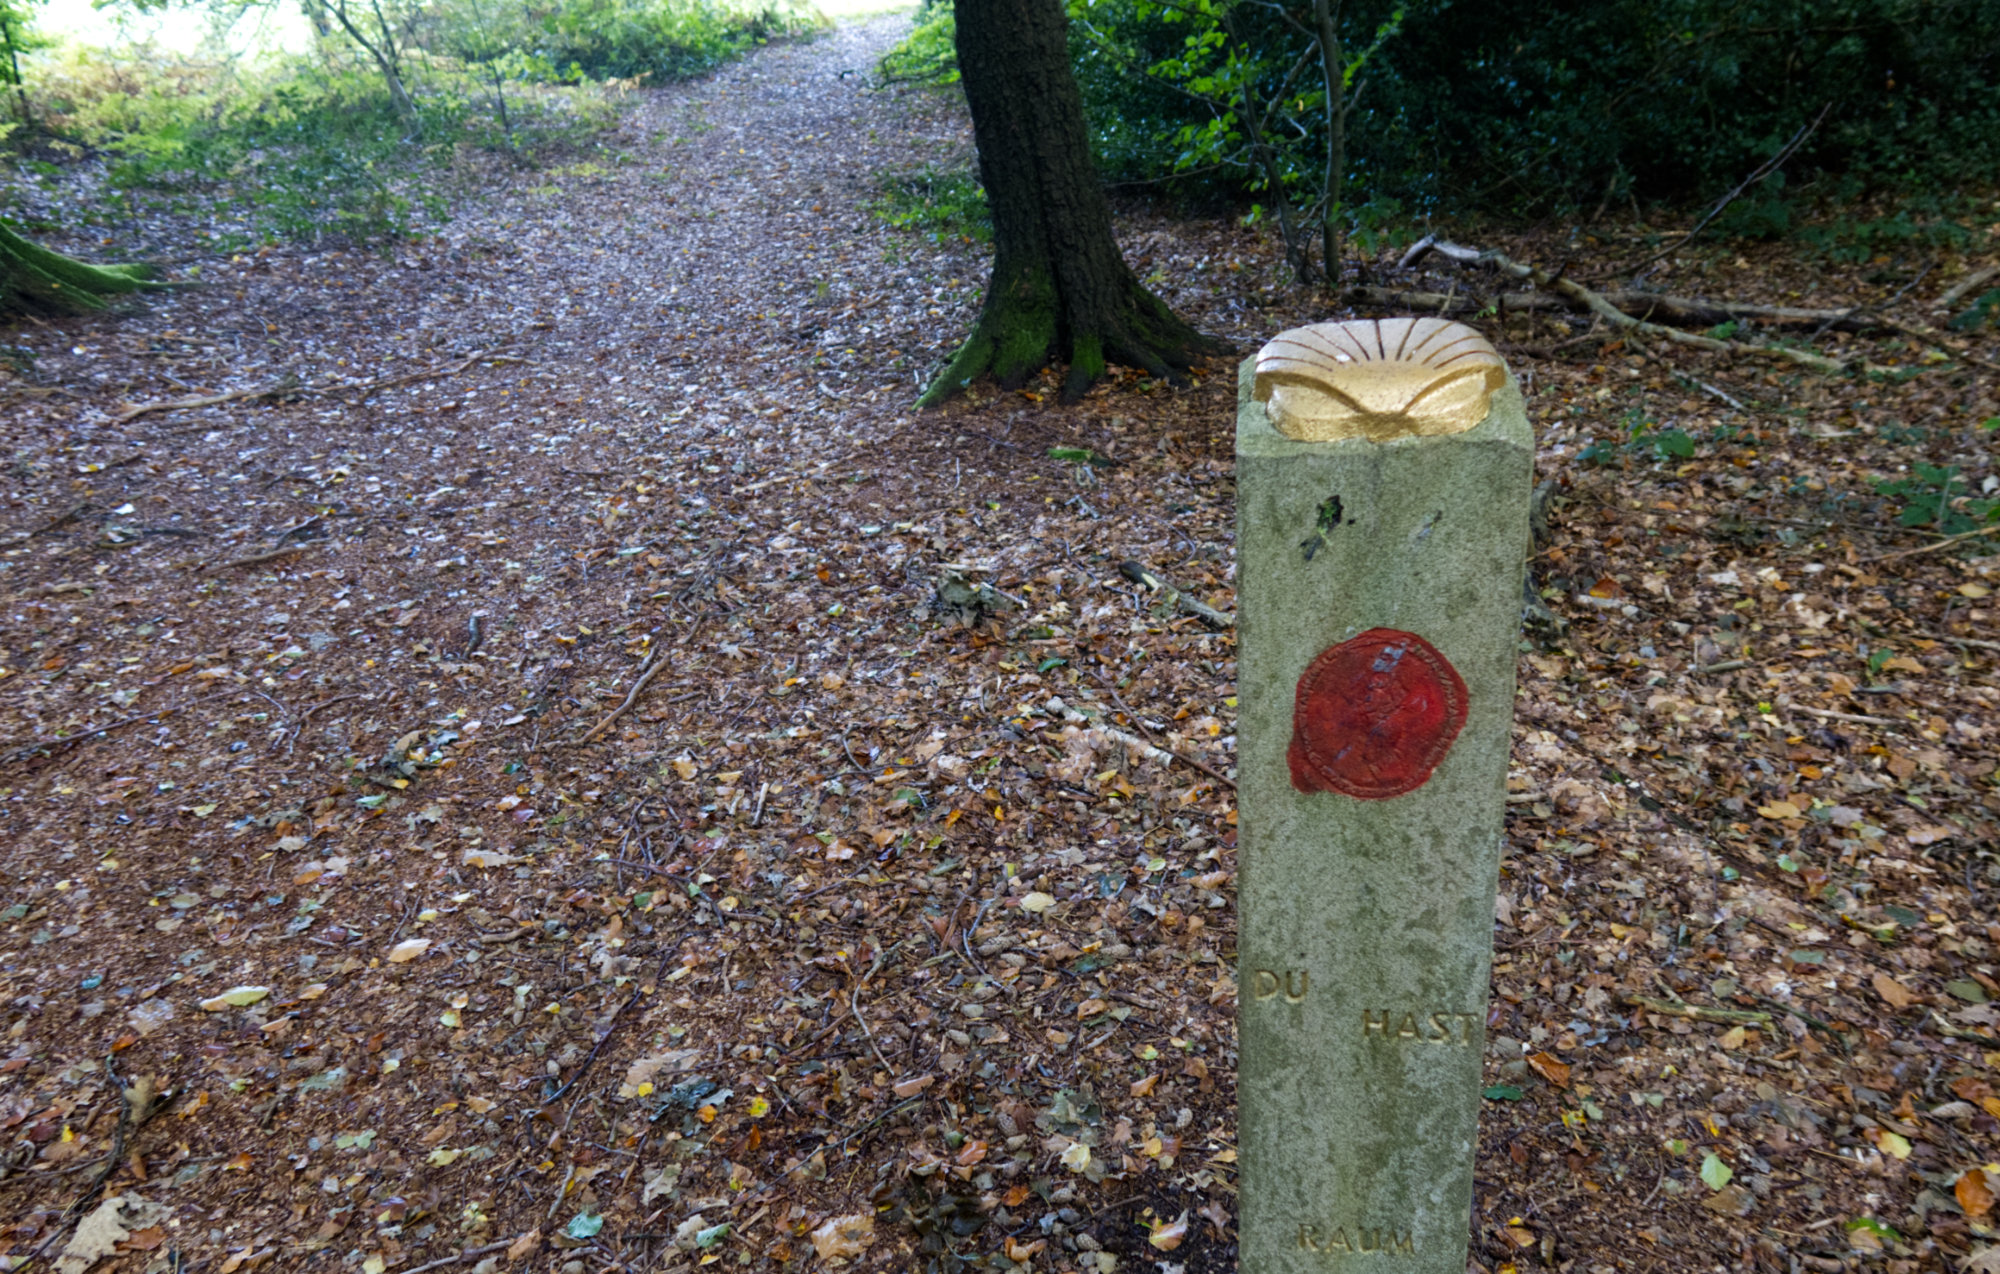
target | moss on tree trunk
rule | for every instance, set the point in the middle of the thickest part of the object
(33, 277)
(1060, 290)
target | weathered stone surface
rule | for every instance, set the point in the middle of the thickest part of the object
(1366, 936)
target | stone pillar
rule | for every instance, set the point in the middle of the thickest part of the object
(1383, 473)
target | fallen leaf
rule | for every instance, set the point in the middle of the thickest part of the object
(1716, 1174)
(1169, 1236)
(914, 1085)
(111, 1223)
(1036, 903)
(1894, 993)
(1985, 1261)
(1975, 1192)
(408, 949)
(1077, 1157)
(235, 997)
(1732, 1039)
(844, 1236)
(1731, 1200)
(1550, 1068)
(1779, 810)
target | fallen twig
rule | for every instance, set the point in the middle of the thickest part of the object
(254, 558)
(1828, 714)
(1935, 545)
(1763, 172)
(1943, 1027)
(469, 1254)
(1651, 306)
(16, 752)
(648, 670)
(1966, 286)
(1695, 1012)
(1597, 304)
(1134, 718)
(284, 385)
(1178, 598)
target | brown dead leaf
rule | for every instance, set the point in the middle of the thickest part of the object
(1894, 993)
(525, 1246)
(1550, 1067)
(1169, 1236)
(844, 1236)
(1974, 1192)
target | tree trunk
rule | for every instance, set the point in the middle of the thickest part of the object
(1060, 289)
(1333, 70)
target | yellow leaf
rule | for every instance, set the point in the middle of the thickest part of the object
(1779, 809)
(408, 950)
(1732, 1039)
(1894, 1144)
(1036, 903)
(1077, 1157)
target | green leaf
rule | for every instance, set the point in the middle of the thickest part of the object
(1715, 1174)
(1969, 991)
(373, 802)
(1502, 1092)
(713, 1235)
(583, 1226)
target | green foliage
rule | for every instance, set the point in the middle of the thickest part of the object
(1984, 310)
(1934, 498)
(929, 53)
(1537, 106)
(660, 40)
(316, 146)
(1853, 240)
(941, 204)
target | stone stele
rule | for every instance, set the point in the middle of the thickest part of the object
(1382, 533)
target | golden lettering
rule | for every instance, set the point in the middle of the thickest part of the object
(1432, 1028)
(1370, 1241)
(1265, 984)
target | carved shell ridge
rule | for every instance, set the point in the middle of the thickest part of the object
(1377, 379)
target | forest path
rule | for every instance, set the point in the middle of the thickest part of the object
(547, 609)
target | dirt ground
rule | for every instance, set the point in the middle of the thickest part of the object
(502, 790)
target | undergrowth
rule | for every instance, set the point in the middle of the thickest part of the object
(942, 204)
(284, 147)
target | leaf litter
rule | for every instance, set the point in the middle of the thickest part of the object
(890, 920)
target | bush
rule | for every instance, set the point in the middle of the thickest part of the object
(1527, 107)
(660, 40)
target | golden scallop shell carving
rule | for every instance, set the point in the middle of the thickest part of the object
(1377, 379)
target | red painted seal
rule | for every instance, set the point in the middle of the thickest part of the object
(1374, 716)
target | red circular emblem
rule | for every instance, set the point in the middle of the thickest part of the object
(1374, 716)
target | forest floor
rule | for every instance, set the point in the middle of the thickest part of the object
(347, 923)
